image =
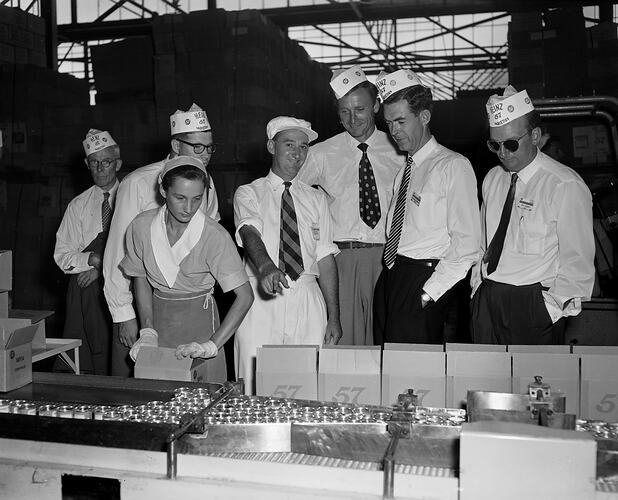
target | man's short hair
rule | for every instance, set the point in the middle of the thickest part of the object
(418, 98)
(533, 119)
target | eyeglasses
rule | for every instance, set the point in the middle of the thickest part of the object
(92, 163)
(511, 145)
(199, 148)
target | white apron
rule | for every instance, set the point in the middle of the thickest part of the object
(297, 316)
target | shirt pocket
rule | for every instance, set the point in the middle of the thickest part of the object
(531, 237)
(428, 213)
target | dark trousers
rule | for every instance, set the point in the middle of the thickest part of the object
(398, 315)
(122, 365)
(88, 319)
(509, 314)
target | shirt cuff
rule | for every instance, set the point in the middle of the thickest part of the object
(325, 250)
(80, 264)
(434, 289)
(122, 313)
(255, 223)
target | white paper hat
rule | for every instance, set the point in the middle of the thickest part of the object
(193, 120)
(180, 161)
(502, 109)
(389, 83)
(96, 140)
(344, 80)
(282, 123)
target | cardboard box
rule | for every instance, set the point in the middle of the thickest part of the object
(599, 387)
(24, 317)
(15, 356)
(480, 367)
(6, 269)
(421, 367)
(595, 349)
(559, 370)
(160, 363)
(349, 374)
(501, 460)
(287, 371)
(4, 304)
(549, 349)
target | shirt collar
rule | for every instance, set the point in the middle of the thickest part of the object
(276, 182)
(371, 140)
(526, 173)
(421, 155)
(112, 192)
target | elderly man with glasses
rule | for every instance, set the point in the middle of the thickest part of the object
(138, 192)
(538, 245)
(80, 242)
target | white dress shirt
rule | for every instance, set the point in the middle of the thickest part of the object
(549, 239)
(334, 165)
(259, 205)
(138, 192)
(80, 225)
(442, 215)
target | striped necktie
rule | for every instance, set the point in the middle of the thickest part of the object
(368, 199)
(494, 250)
(392, 242)
(290, 255)
(106, 213)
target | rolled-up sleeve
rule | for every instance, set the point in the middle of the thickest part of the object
(225, 263)
(464, 229)
(67, 255)
(246, 212)
(325, 246)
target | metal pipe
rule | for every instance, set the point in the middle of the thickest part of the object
(388, 464)
(172, 460)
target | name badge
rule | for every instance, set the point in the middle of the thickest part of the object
(315, 231)
(527, 205)
(416, 198)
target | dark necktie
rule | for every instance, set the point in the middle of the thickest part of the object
(106, 213)
(492, 255)
(392, 242)
(368, 199)
(290, 255)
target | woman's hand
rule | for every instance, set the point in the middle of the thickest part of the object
(195, 350)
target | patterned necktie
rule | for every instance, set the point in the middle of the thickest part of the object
(290, 255)
(392, 243)
(106, 213)
(492, 255)
(368, 199)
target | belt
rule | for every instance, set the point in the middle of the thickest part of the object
(346, 245)
(417, 262)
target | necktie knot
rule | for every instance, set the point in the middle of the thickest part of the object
(409, 161)
(287, 184)
(105, 196)
(514, 178)
(363, 147)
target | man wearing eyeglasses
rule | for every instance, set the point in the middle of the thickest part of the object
(538, 246)
(191, 136)
(80, 242)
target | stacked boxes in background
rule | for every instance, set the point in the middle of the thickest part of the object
(421, 367)
(555, 364)
(287, 371)
(480, 367)
(599, 382)
(349, 374)
(22, 38)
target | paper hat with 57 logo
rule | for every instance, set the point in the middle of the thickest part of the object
(193, 120)
(502, 109)
(389, 83)
(344, 80)
(96, 140)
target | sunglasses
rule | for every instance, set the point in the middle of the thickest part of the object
(199, 148)
(511, 145)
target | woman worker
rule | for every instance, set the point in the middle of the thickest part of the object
(174, 255)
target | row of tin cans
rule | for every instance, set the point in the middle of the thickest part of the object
(598, 428)
(185, 400)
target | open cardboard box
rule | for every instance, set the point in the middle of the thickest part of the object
(15, 356)
(160, 363)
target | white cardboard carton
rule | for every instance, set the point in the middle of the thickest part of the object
(15, 356)
(287, 371)
(349, 374)
(6, 270)
(599, 387)
(160, 363)
(421, 367)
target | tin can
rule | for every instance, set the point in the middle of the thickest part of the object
(5, 405)
(64, 411)
(83, 412)
(47, 410)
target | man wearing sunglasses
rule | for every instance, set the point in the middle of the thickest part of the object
(80, 242)
(433, 227)
(538, 246)
(191, 136)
